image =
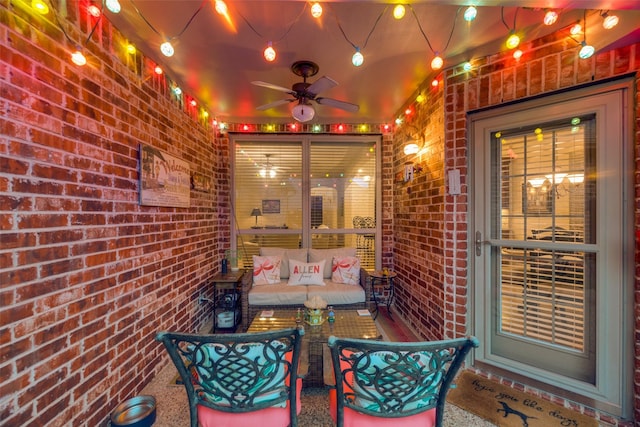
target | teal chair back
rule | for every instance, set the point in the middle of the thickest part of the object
(390, 380)
(234, 377)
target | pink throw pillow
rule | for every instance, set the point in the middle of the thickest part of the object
(346, 270)
(266, 270)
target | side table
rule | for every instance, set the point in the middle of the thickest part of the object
(384, 282)
(226, 302)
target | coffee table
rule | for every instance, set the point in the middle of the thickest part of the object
(348, 324)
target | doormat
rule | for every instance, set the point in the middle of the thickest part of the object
(507, 407)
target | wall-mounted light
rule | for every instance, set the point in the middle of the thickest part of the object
(411, 148)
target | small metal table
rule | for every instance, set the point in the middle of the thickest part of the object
(384, 281)
(228, 300)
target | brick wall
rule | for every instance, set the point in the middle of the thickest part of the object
(430, 226)
(87, 275)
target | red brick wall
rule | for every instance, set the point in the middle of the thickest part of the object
(87, 275)
(430, 227)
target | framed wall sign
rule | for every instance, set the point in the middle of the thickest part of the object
(271, 206)
(164, 180)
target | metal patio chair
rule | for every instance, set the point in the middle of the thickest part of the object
(389, 383)
(248, 379)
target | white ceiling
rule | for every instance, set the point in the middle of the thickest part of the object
(216, 64)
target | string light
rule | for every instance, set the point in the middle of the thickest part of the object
(113, 6)
(316, 10)
(470, 14)
(131, 49)
(550, 17)
(94, 11)
(609, 21)
(586, 51)
(221, 8)
(576, 29)
(158, 70)
(78, 58)
(517, 54)
(40, 6)
(435, 83)
(437, 62)
(177, 91)
(398, 11)
(167, 49)
(357, 59)
(513, 41)
(270, 53)
(467, 66)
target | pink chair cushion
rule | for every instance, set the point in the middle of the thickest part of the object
(356, 419)
(276, 417)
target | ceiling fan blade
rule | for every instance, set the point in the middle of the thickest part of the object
(322, 84)
(274, 104)
(272, 86)
(347, 106)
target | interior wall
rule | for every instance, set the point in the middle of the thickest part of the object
(87, 275)
(431, 246)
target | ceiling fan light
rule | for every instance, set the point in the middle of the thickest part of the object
(303, 112)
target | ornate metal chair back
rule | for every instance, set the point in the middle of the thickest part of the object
(237, 373)
(395, 380)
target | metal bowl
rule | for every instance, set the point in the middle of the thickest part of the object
(139, 411)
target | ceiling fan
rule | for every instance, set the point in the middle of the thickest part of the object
(304, 92)
(268, 169)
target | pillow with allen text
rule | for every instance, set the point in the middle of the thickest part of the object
(266, 270)
(302, 273)
(345, 269)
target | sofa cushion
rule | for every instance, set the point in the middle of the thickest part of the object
(316, 255)
(337, 293)
(266, 270)
(303, 273)
(280, 294)
(346, 270)
(285, 254)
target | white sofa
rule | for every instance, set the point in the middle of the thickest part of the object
(283, 295)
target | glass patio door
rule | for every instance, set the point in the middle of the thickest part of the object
(550, 270)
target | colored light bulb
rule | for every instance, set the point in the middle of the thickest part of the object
(437, 62)
(470, 14)
(586, 51)
(550, 17)
(270, 53)
(513, 41)
(316, 10)
(357, 59)
(78, 58)
(113, 6)
(167, 49)
(398, 11)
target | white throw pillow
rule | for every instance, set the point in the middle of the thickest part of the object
(346, 270)
(266, 270)
(302, 273)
